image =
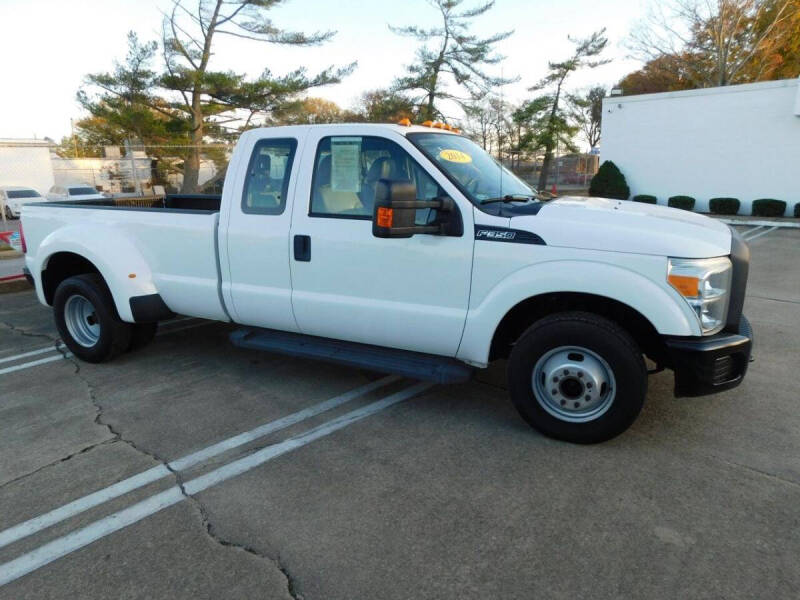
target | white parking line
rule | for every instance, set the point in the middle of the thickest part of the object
(751, 231)
(49, 359)
(120, 488)
(35, 363)
(83, 537)
(27, 354)
(758, 235)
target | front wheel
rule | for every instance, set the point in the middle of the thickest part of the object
(577, 377)
(87, 319)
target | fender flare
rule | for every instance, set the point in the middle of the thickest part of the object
(108, 248)
(663, 307)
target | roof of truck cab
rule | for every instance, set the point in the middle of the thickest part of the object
(377, 127)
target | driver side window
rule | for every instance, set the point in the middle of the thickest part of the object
(347, 170)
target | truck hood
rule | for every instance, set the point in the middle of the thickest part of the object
(622, 226)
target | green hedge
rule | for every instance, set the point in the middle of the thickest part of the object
(724, 206)
(797, 210)
(609, 182)
(682, 202)
(768, 207)
(646, 198)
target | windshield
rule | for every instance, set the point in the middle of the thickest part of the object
(23, 194)
(470, 167)
(82, 191)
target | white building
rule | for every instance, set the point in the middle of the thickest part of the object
(740, 141)
(25, 162)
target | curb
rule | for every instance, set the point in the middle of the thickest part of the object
(14, 283)
(759, 223)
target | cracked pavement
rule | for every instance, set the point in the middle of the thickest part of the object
(448, 495)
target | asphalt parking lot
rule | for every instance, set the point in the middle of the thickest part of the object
(192, 469)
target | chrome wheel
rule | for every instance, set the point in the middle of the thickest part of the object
(573, 384)
(81, 321)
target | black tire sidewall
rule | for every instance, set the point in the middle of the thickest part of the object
(113, 332)
(604, 338)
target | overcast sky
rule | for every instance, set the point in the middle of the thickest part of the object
(47, 46)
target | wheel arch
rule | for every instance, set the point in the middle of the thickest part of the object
(76, 250)
(614, 291)
(528, 311)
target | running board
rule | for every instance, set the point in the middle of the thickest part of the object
(415, 365)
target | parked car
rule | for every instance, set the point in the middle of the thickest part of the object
(408, 249)
(74, 191)
(13, 197)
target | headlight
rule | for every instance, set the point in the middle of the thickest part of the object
(704, 283)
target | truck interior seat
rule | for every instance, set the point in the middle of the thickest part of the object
(328, 200)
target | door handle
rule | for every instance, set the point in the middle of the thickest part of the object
(302, 248)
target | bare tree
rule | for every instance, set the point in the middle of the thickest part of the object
(714, 40)
(587, 112)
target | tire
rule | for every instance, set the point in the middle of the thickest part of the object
(87, 319)
(551, 372)
(9, 215)
(141, 335)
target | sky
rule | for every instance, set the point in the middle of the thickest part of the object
(48, 46)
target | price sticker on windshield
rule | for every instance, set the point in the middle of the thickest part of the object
(456, 156)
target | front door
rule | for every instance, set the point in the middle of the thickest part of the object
(409, 293)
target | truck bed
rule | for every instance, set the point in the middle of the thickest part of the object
(138, 245)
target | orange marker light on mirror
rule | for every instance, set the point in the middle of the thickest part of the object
(385, 217)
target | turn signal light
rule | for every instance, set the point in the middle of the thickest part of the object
(688, 287)
(385, 216)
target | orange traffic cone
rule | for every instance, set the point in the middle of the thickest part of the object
(554, 190)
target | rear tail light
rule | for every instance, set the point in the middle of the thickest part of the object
(22, 240)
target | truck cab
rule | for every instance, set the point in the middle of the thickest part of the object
(409, 249)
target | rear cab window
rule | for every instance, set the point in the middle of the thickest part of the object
(267, 180)
(348, 168)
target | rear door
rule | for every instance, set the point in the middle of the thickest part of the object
(254, 250)
(407, 293)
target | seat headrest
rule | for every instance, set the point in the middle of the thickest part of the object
(324, 171)
(382, 168)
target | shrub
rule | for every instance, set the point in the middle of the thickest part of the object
(682, 202)
(609, 182)
(797, 210)
(767, 207)
(724, 206)
(646, 198)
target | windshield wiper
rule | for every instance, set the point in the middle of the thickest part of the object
(508, 198)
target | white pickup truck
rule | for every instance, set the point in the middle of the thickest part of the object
(408, 249)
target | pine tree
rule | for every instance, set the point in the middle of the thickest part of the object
(450, 57)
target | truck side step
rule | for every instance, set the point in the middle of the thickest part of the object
(415, 365)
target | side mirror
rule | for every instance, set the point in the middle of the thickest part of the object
(396, 207)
